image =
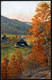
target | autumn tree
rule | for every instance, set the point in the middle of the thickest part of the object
(4, 65)
(13, 67)
(16, 35)
(41, 27)
(19, 36)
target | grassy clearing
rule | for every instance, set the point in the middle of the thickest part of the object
(10, 49)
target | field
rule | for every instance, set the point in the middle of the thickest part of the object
(8, 47)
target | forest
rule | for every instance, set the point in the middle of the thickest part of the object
(33, 62)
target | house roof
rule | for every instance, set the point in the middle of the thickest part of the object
(4, 37)
(21, 40)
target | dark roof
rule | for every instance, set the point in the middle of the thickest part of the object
(4, 37)
(21, 40)
(19, 43)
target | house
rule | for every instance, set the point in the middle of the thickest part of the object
(4, 37)
(22, 43)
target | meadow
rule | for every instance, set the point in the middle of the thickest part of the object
(9, 48)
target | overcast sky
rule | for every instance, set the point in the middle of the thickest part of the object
(20, 10)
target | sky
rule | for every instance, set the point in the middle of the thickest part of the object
(20, 10)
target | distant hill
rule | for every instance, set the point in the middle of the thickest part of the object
(13, 26)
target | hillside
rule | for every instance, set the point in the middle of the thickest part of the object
(13, 26)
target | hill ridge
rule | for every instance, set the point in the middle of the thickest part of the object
(13, 26)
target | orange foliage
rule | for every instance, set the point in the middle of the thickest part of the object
(4, 65)
(38, 53)
(41, 26)
(19, 36)
(14, 67)
(16, 36)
